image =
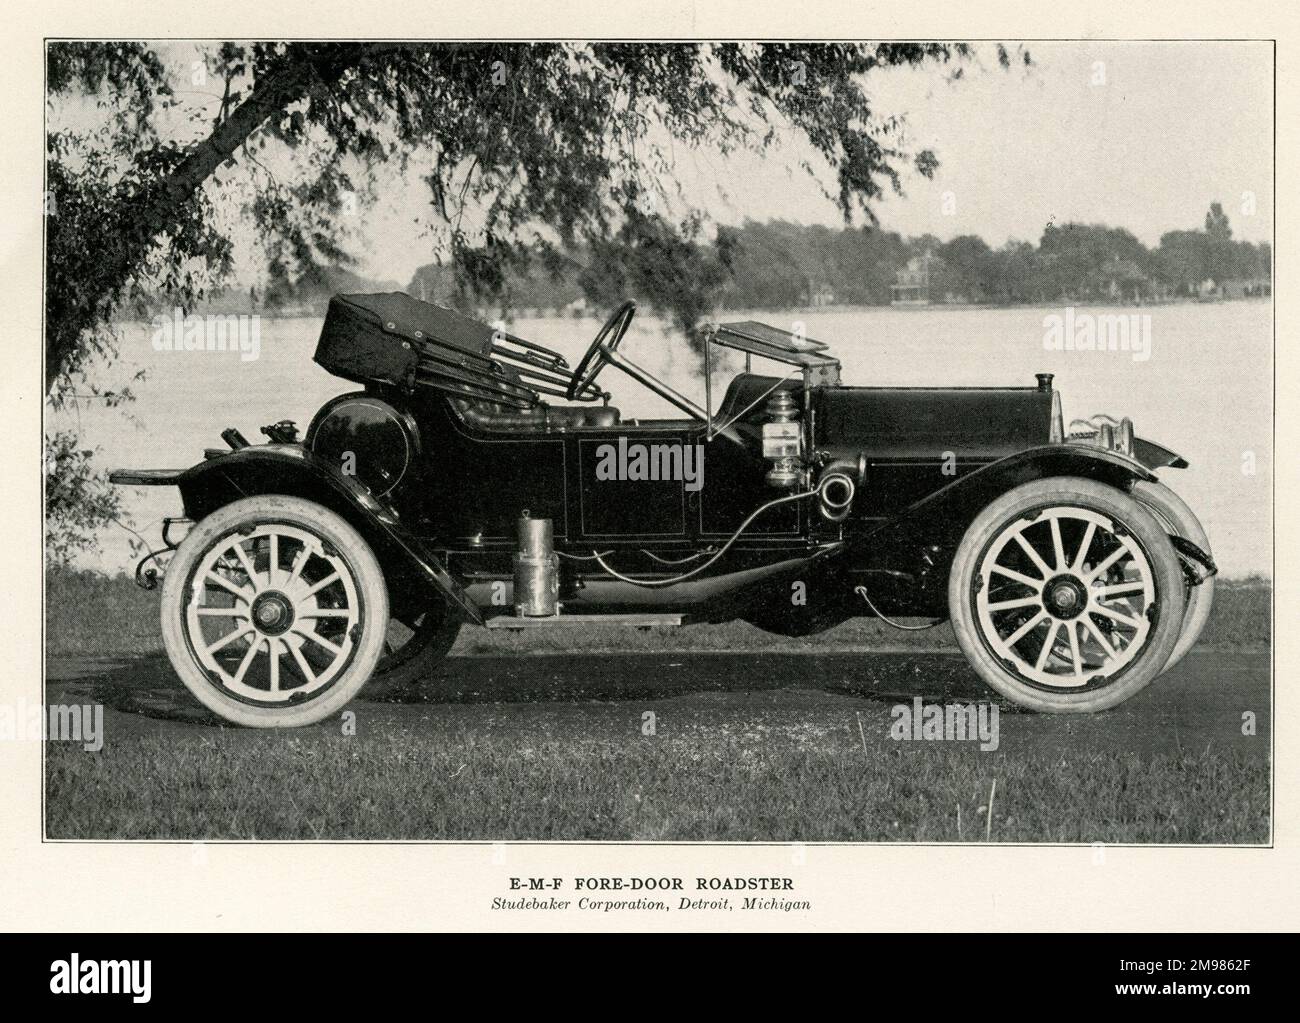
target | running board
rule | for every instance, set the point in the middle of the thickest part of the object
(644, 621)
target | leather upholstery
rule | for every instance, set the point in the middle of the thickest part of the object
(541, 418)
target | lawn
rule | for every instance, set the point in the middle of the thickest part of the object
(793, 783)
(788, 742)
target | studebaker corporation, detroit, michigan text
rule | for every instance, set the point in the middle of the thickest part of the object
(650, 886)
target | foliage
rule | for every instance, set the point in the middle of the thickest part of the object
(779, 265)
(652, 258)
(525, 149)
(78, 501)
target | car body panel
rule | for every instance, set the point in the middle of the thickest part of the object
(436, 480)
(290, 469)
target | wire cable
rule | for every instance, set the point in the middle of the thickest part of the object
(861, 591)
(679, 561)
(652, 583)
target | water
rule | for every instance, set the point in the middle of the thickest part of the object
(1206, 391)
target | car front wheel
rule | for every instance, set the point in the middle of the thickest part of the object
(1172, 513)
(274, 612)
(1066, 595)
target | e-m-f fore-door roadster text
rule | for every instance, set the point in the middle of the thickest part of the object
(448, 491)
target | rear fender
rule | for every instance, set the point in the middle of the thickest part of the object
(411, 569)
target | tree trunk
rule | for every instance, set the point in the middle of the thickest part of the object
(161, 206)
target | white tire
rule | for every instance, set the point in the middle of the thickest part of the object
(1066, 595)
(1172, 512)
(274, 611)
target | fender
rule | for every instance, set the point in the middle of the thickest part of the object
(292, 470)
(1156, 456)
(953, 507)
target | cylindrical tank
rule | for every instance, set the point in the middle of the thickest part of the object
(537, 569)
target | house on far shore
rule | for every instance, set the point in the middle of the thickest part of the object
(1246, 287)
(912, 284)
(821, 295)
(1122, 280)
(1211, 290)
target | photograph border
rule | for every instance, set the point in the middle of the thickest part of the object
(480, 918)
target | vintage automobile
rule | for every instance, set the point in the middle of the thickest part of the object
(448, 491)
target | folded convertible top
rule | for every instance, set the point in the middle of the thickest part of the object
(399, 341)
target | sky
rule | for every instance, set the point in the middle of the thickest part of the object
(1147, 139)
(1137, 135)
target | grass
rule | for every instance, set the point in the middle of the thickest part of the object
(723, 786)
(531, 755)
(88, 614)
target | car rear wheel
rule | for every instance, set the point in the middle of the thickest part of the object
(1172, 513)
(1066, 596)
(274, 612)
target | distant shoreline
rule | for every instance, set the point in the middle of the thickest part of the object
(720, 314)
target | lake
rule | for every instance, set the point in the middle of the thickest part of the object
(1205, 390)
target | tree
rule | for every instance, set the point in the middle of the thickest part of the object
(766, 263)
(526, 151)
(1216, 223)
(969, 263)
(1017, 272)
(1084, 260)
(1185, 259)
(77, 499)
(864, 261)
(522, 147)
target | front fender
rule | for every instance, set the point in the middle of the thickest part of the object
(950, 509)
(1156, 456)
(292, 470)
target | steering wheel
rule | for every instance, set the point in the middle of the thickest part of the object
(602, 347)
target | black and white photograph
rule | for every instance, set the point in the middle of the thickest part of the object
(685, 469)
(658, 441)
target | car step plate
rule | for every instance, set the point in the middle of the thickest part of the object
(643, 621)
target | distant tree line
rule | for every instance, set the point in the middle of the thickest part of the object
(313, 289)
(779, 264)
(782, 264)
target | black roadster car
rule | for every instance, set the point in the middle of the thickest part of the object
(448, 490)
